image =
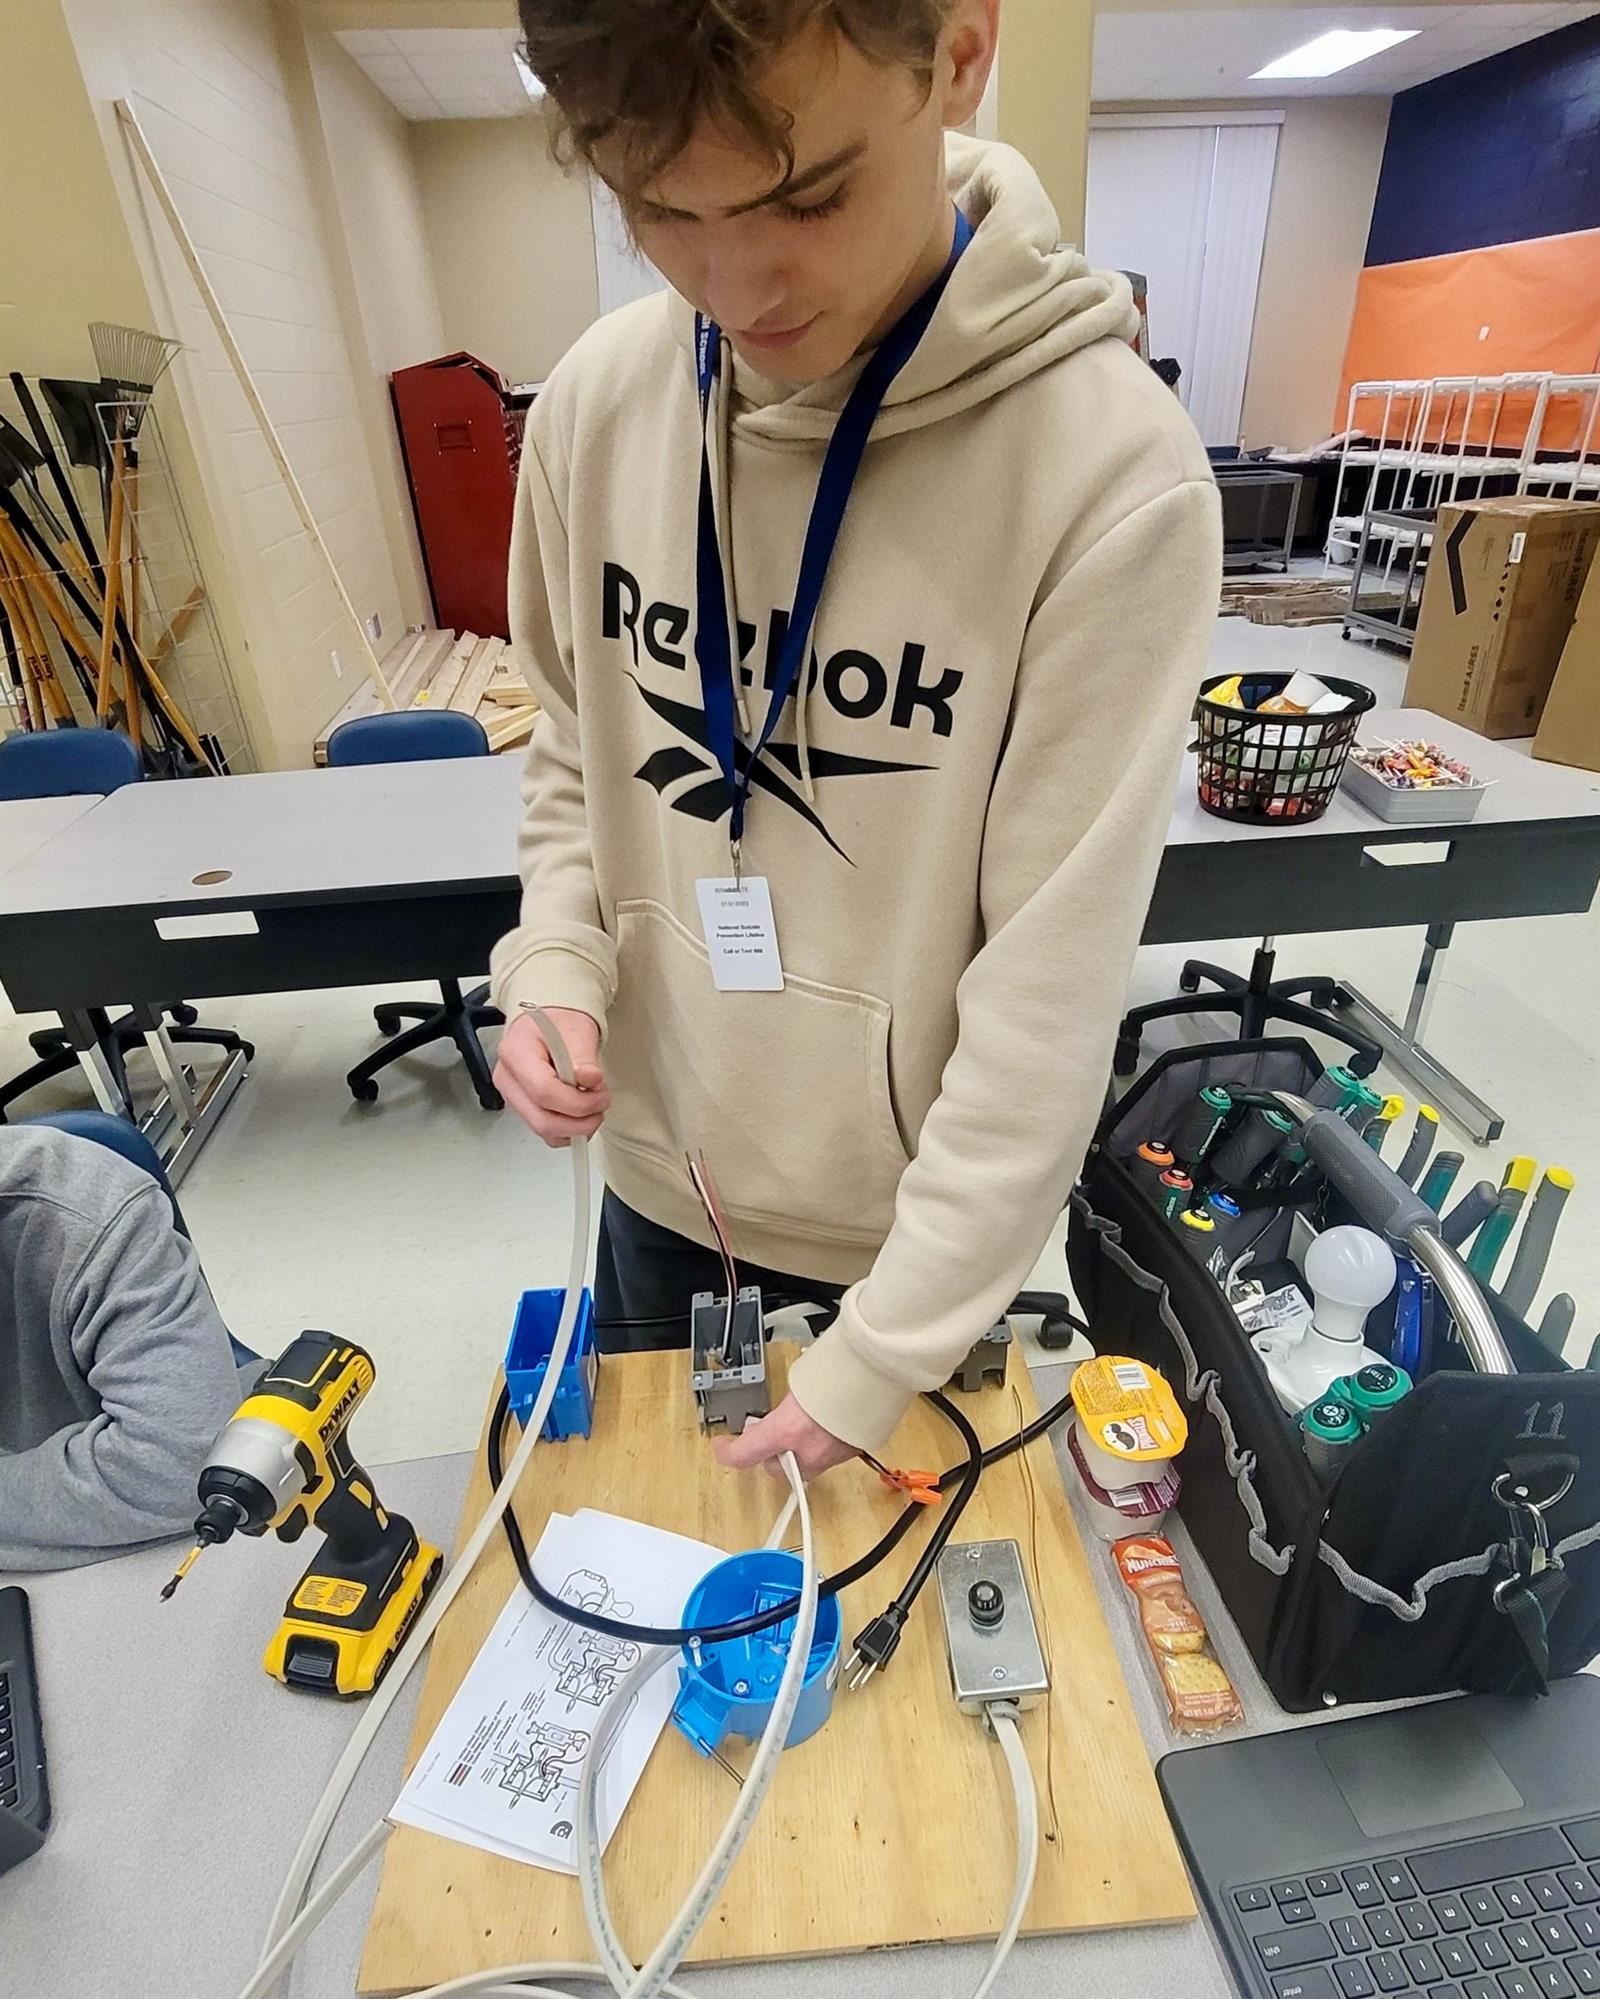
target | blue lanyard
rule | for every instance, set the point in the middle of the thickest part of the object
(840, 464)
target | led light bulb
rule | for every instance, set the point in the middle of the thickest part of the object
(1349, 1270)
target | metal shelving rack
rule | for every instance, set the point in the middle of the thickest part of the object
(1428, 442)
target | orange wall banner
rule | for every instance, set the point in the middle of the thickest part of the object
(1513, 308)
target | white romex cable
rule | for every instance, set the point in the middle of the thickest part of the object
(1002, 1719)
(315, 1837)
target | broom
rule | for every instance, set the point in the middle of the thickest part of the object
(131, 362)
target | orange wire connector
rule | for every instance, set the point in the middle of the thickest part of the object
(920, 1487)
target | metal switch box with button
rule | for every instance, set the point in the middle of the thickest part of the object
(995, 1654)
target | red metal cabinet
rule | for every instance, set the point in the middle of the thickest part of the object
(461, 432)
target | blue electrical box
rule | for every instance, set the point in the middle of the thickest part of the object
(729, 1688)
(533, 1333)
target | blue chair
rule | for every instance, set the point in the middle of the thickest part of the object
(414, 735)
(117, 1135)
(82, 763)
(68, 763)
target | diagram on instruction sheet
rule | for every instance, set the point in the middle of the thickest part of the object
(533, 1748)
(505, 1763)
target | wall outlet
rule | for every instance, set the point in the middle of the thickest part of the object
(374, 628)
(338, 666)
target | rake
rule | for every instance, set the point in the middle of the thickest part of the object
(131, 362)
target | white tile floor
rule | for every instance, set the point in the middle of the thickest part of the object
(413, 1224)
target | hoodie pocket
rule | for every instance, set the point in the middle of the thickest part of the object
(788, 1093)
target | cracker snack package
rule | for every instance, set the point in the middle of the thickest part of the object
(1200, 1696)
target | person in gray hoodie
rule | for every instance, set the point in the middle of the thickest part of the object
(116, 1371)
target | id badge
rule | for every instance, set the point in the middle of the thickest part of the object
(740, 934)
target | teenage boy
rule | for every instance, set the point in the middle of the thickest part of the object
(858, 933)
(115, 1368)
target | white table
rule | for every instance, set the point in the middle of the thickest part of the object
(1533, 849)
(300, 879)
(28, 823)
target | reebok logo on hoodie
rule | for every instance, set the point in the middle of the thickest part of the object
(855, 685)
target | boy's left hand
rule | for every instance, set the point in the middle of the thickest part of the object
(787, 1428)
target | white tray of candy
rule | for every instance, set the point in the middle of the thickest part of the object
(1412, 783)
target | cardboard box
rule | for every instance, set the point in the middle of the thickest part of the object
(1504, 579)
(1570, 730)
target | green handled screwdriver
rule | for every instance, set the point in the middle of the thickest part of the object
(1496, 1230)
(1533, 1245)
(1440, 1178)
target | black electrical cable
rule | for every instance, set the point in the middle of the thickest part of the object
(969, 1475)
(744, 1627)
(651, 1634)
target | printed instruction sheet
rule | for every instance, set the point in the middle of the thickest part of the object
(503, 1766)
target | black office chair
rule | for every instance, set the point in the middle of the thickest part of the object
(414, 735)
(1260, 1001)
(80, 763)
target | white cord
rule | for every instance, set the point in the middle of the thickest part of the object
(309, 1851)
(503, 1983)
(276, 1961)
(652, 1976)
(1002, 1719)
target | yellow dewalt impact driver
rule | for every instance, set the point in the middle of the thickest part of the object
(283, 1462)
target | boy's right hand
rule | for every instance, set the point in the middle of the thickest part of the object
(526, 1077)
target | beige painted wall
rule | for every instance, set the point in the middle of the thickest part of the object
(511, 238)
(1329, 152)
(215, 90)
(382, 271)
(1042, 100)
(69, 259)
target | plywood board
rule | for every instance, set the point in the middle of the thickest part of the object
(469, 689)
(396, 663)
(421, 666)
(892, 1825)
(437, 692)
(511, 692)
(513, 728)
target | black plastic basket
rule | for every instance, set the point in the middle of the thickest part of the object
(1273, 769)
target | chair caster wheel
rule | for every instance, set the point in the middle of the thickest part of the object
(184, 1016)
(388, 1023)
(493, 1101)
(365, 1092)
(1126, 1059)
(1188, 982)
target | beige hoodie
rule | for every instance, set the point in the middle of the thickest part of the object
(960, 843)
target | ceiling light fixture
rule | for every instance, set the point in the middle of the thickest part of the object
(1336, 50)
(530, 82)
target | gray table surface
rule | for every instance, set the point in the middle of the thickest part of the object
(1521, 789)
(290, 833)
(183, 1776)
(26, 824)
(325, 833)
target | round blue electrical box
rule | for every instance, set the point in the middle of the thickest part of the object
(729, 1689)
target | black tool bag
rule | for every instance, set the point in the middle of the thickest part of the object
(1459, 1545)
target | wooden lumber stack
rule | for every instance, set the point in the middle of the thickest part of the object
(466, 674)
(1289, 600)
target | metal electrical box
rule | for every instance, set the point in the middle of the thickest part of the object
(995, 1654)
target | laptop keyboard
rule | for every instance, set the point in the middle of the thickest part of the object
(8, 1746)
(1512, 1916)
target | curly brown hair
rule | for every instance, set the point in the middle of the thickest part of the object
(638, 76)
